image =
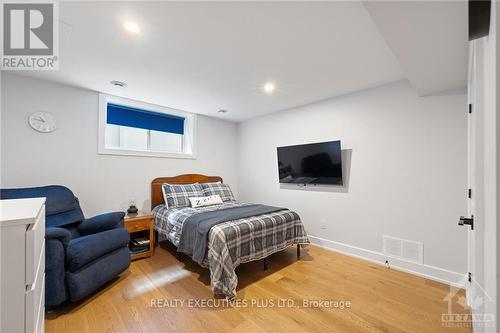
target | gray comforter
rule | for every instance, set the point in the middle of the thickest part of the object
(233, 242)
(194, 236)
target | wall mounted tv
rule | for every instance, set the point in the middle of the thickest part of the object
(314, 163)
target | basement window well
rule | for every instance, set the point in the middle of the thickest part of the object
(128, 127)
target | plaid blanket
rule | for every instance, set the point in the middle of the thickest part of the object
(235, 242)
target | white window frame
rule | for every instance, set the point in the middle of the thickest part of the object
(188, 141)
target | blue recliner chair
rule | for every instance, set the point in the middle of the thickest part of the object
(80, 254)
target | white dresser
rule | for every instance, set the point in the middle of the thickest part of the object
(22, 235)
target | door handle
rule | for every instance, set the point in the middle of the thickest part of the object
(467, 221)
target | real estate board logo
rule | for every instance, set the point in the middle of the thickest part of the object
(474, 303)
(30, 36)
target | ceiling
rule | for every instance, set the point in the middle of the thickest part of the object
(429, 39)
(205, 56)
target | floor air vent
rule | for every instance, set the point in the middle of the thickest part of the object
(403, 249)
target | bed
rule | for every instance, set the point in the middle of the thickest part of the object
(229, 243)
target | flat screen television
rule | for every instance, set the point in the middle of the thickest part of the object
(314, 163)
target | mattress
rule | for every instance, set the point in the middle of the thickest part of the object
(234, 242)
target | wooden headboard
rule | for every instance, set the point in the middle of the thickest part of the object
(157, 194)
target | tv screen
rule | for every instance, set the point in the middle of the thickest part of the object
(314, 163)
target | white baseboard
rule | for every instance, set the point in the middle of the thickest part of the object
(426, 271)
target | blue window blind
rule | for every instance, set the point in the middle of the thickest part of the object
(139, 118)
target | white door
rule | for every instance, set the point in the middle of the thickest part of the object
(473, 172)
(483, 166)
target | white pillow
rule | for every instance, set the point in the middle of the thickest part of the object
(205, 201)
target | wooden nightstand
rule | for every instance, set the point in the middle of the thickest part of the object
(140, 225)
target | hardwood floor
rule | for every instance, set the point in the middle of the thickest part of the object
(381, 299)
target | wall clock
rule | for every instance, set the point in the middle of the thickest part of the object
(43, 122)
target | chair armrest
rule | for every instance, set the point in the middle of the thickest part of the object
(56, 242)
(101, 223)
(60, 234)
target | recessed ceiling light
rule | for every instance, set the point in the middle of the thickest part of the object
(222, 111)
(269, 87)
(131, 27)
(118, 84)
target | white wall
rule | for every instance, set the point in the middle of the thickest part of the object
(407, 170)
(69, 155)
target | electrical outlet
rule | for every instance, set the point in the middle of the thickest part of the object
(322, 224)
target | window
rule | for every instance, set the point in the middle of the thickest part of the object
(129, 127)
